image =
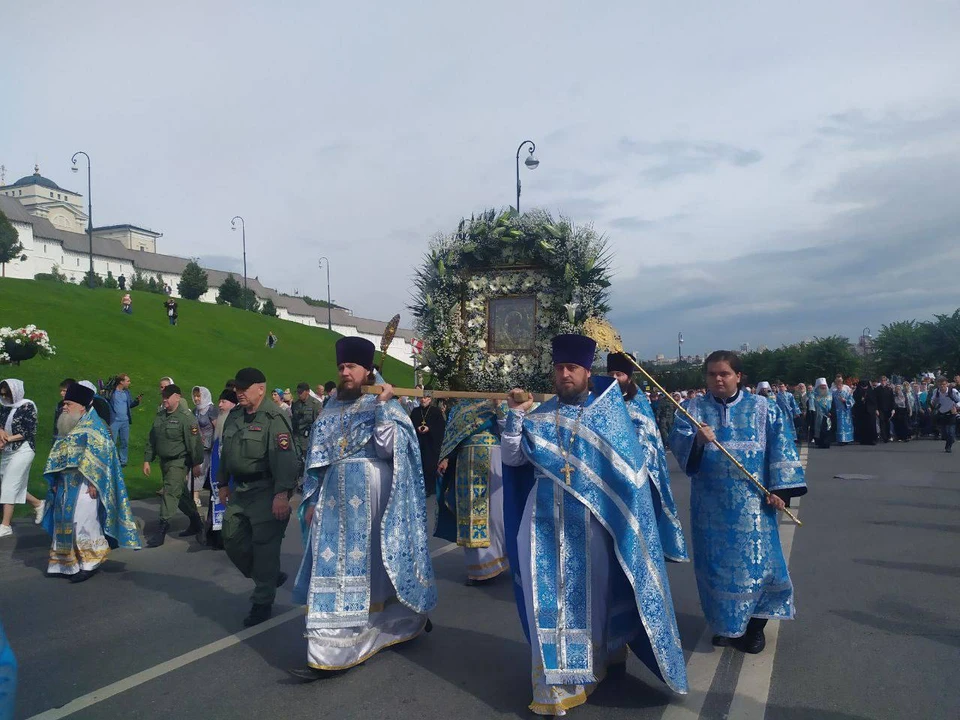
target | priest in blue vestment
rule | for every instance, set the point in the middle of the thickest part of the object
(843, 410)
(741, 572)
(366, 576)
(641, 413)
(583, 538)
(87, 510)
(470, 508)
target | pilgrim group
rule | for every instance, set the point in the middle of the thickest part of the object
(570, 498)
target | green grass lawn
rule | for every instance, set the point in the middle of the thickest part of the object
(210, 343)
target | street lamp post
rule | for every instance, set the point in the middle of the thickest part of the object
(679, 348)
(89, 208)
(531, 162)
(243, 233)
(864, 337)
(326, 263)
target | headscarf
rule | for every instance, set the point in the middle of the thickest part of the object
(17, 400)
(206, 400)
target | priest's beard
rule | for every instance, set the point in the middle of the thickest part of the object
(67, 422)
(575, 395)
(629, 389)
(345, 394)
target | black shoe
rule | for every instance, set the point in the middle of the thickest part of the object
(281, 579)
(751, 643)
(194, 528)
(428, 628)
(720, 641)
(258, 613)
(307, 674)
(156, 540)
(82, 576)
(470, 582)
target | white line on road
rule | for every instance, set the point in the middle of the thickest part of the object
(128, 683)
(756, 674)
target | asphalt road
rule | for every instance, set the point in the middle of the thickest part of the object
(877, 633)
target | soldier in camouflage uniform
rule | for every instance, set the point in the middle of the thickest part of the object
(259, 454)
(175, 441)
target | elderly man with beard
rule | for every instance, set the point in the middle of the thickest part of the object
(583, 538)
(366, 576)
(88, 512)
(620, 368)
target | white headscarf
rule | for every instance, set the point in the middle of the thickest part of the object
(88, 384)
(205, 398)
(16, 401)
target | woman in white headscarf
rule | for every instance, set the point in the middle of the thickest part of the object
(18, 433)
(206, 413)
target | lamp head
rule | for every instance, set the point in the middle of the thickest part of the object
(531, 161)
(75, 168)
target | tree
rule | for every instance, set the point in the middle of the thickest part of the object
(230, 292)
(193, 281)
(269, 308)
(252, 303)
(10, 246)
(110, 282)
(92, 280)
(152, 285)
(903, 348)
(944, 337)
(139, 282)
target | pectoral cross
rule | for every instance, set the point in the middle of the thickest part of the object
(343, 444)
(567, 472)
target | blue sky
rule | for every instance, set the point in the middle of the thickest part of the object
(765, 172)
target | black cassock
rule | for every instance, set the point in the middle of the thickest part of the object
(430, 439)
(865, 415)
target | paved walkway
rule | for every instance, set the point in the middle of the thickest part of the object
(158, 633)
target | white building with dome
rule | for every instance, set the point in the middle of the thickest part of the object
(51, 223)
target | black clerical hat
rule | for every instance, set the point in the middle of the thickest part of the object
(576, 349)
(355, 350)
(620, 362)
(80, 394)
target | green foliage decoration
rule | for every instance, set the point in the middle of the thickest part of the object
(496, 254)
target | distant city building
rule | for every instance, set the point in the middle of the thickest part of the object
(51, 223)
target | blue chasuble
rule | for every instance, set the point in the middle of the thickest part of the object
(737, 557)
(334, 576)
(88, 453)
(655, 464)
(605, 480)
(843, 409)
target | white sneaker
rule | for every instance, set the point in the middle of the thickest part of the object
(5, 530)
(38, 513)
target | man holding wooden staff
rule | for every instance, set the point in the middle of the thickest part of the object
(366, 576)
(741, 572)
(582, 537)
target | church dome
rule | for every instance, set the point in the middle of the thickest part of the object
(36, 179)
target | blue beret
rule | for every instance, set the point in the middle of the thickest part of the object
(355, 350)
(576, 349)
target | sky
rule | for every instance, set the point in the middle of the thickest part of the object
(764, 172)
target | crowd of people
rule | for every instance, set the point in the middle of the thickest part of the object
(526, 490)
(853, 410)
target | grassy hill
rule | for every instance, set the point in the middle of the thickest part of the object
(210, 343)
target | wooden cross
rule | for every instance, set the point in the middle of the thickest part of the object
(567, 472)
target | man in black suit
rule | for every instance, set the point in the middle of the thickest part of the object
(430, 425)
(884, 393)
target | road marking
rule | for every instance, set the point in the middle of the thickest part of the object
(144, 676)
(753, 686)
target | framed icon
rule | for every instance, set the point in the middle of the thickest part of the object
(512, 324)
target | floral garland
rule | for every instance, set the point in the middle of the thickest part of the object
(28, 341)
(495, 255)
